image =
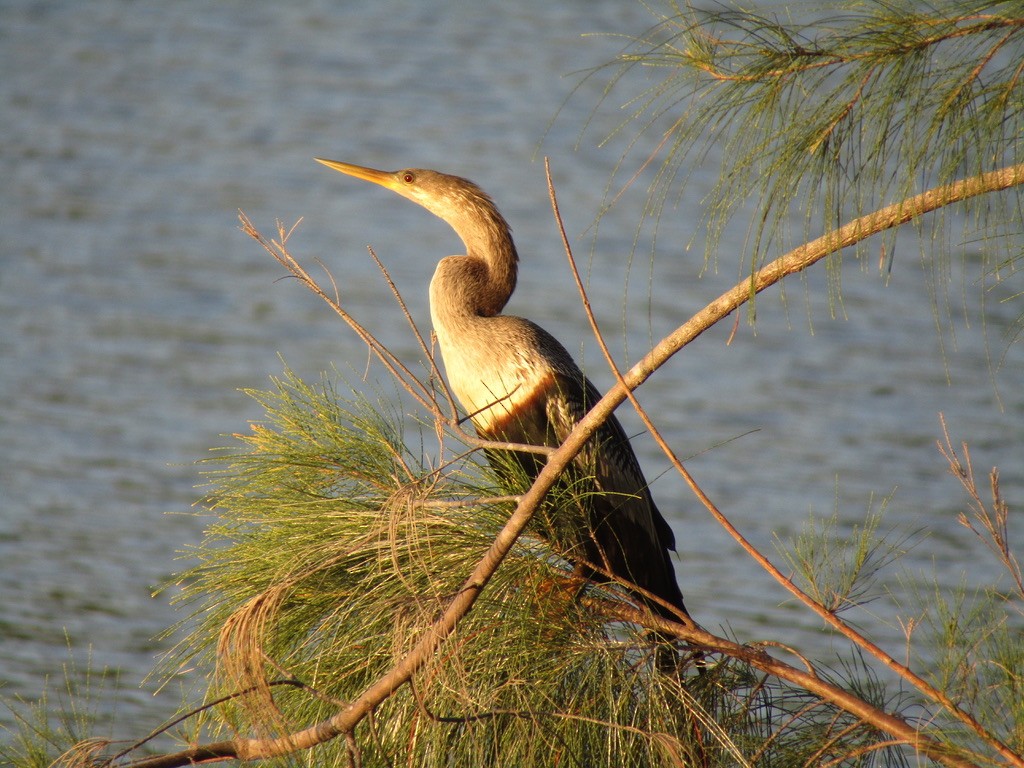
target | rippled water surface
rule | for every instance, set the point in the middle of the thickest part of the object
(132, 309)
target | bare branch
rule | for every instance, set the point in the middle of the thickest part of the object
(395, 366)
(434, 370)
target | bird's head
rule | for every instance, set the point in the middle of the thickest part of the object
(470, 212)
(457, 201)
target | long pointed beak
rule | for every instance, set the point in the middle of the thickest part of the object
(384, 178)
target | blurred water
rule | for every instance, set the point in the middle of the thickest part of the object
(132, 308)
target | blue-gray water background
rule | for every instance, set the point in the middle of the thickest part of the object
(132, 309)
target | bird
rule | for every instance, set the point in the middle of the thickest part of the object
(520, 385)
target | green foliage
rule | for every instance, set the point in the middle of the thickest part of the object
(336, 548)
(56, 727)
(839, 571)
(856, 105)
(974, 649)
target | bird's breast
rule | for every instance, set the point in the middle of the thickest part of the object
(498, 388)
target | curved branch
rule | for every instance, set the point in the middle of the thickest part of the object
(795, 261)
(804, 256)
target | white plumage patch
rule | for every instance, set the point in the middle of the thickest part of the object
(494, 396)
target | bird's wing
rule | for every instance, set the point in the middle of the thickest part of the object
(610, 458)
(621, 530)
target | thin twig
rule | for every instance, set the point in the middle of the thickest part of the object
(192, 713)
(865, 750)
(760, 659)
(394, 365)
(810, 60)
(434, 370)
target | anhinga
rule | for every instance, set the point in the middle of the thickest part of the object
(521, 386)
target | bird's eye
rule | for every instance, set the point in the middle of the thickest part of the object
(408, 177)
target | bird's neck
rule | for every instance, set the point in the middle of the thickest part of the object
(502, 271)
(468, 292)
(491, 267)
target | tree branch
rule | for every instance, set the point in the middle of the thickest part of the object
(795, 261)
